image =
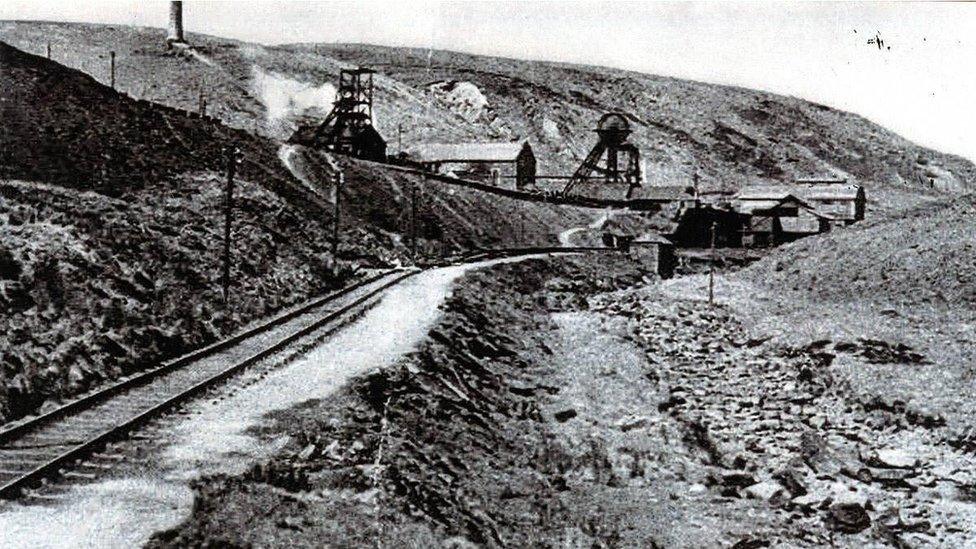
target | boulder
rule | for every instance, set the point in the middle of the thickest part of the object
(849, 518)
(769, 491)
(892, 458)
(737, 479)
(565, 415)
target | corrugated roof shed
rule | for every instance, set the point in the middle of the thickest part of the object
(762, 203)
(466, 152)
(766, 192)
(829, 191)
(818, 191)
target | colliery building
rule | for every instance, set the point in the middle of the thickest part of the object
(842, 202)
(508, 165)
(837, 198)
(773, 218)
(777, 214)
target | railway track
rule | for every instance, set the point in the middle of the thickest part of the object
(43, 447)
(68, 440)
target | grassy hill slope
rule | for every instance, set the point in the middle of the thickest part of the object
(729, 136)
(111, 229)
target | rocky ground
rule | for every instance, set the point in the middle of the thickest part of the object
(555, 404)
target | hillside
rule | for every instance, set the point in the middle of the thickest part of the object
(924, 256)
(111, 229)
(730, 136)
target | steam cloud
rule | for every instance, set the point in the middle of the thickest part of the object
(285, 98)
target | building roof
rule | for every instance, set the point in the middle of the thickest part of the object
(765, 192)
(821, 180)
(466, 152)
(807, 191)
(666, 192)
(750, 206)
(830, 191)
(650, 238)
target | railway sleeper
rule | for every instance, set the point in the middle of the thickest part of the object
(37, 494)
(77, 475)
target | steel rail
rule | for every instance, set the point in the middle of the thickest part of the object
(87, 401)
(49, 467)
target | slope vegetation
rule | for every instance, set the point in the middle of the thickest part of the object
(112, 219)
(729, 136)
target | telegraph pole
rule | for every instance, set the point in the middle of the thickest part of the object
(111, 56)
(231, 154)
(711, 269)
(413, 220)
(202, 103)
(335, 214)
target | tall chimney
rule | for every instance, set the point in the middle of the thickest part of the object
(175, 22)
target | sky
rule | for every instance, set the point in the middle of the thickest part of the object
(920, 84)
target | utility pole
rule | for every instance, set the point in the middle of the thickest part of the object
(400, 137)
(231, 154)
(111, 56)
(49, 49)
(413, 220)
(335, 214)
(202, 103)
(711, 269)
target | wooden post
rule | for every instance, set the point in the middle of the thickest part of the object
(711, 269)
(413, 220)
(231, 153)
(335, 214)
(111, 56)
(202, 103)
(521, 216)
(49, 49)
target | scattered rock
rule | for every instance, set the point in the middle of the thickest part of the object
(892, 458)
(565, 415)
(737, 479)
(307, 452)
(632, 422)
(849, 518)
(769, 491)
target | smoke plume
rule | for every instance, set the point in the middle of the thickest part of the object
(285, 99)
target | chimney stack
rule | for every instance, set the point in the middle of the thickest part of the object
(175, 23)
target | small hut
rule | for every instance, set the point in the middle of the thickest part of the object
(655, 252)
(510, 165)
(774, 220)
(844, 202)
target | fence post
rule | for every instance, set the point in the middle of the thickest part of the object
(413, 219)
(335, 214)
(231, 155)
(711, 269)
(111, 56)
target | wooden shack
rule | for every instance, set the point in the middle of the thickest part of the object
(776, 219)
(509, 165)
(844, 202)
(655, 252)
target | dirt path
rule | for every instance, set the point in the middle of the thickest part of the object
(566, 237)
(214, 436)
